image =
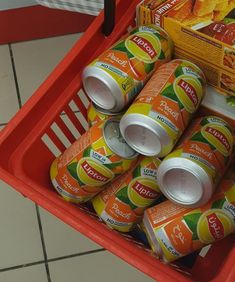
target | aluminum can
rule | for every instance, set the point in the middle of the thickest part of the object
(174, 231)
(121, 205)
(97, 157)
(114, 79)
(96, 114)
(161, 112)
(189, 175)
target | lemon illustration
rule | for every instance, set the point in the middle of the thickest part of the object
(189, 91)
(100, 145)
(92, 173)
(150, 162)
(53, 169)
(219, 136)
(142, 191)
(213, 225)
(144, 46)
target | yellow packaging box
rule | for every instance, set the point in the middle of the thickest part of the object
(221, 79)
(203, 29)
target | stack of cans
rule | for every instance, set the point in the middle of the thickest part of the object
(146, 160)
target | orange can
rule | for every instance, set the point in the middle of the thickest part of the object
(121, 205)
(95, 114)
(189, 175)
(161, 112)
(114, 79)
(96, 158)
(174, 231)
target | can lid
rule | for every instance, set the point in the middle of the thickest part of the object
(143, 134)
(184, 182)
(115, 141)
(102, 89)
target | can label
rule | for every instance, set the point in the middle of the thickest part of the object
(171, 97)
(122, 204)
(132, 59)
(81, 171)
(180, 231)
(209, 143)
(94, 116)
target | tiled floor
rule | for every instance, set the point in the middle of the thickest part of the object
(29, 234)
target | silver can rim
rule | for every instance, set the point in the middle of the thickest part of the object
(193, 168)
(116, 119)
(109, 82)
(155, 127)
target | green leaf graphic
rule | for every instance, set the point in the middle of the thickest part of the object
(169, 93)
(137, 171)
(204, 121)
(192, 220)
(129, 54)
(148, 67)
(218, 204)
(161, 56)
(179, 71)
(159, 36)
(122, 195)
(72, 169)
(87, 152)
(120, 47)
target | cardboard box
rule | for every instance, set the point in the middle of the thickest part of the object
(185, 20)
(221, 79)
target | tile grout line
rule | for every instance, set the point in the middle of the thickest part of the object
(76, 255)
(15, 75)
(43, 243)
(21, 266)
(52, 260)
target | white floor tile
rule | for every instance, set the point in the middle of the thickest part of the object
(35, 60)
(20, 238)
(36, 273)
(8, 97)
(61, 239)
(101, 266)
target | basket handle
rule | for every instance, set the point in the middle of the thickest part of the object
(109, 17)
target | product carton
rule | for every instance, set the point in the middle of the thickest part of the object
(203, 29)
(222, 80)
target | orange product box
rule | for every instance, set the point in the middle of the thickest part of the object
(202, 28)
(222, 80)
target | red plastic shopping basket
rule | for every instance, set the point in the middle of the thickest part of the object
(51, 120)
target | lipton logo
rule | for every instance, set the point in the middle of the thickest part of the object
(219, 136)
(93, 173)
(145, 45)
(215, 226)
(144, 191)
(189, 91)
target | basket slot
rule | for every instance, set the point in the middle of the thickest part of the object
(82, 102)
(74, 119)
(68, 128)
(56, 140)
(82, 120)
(79, 115)
(50, 145)
(60, 134)
(204, 251)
